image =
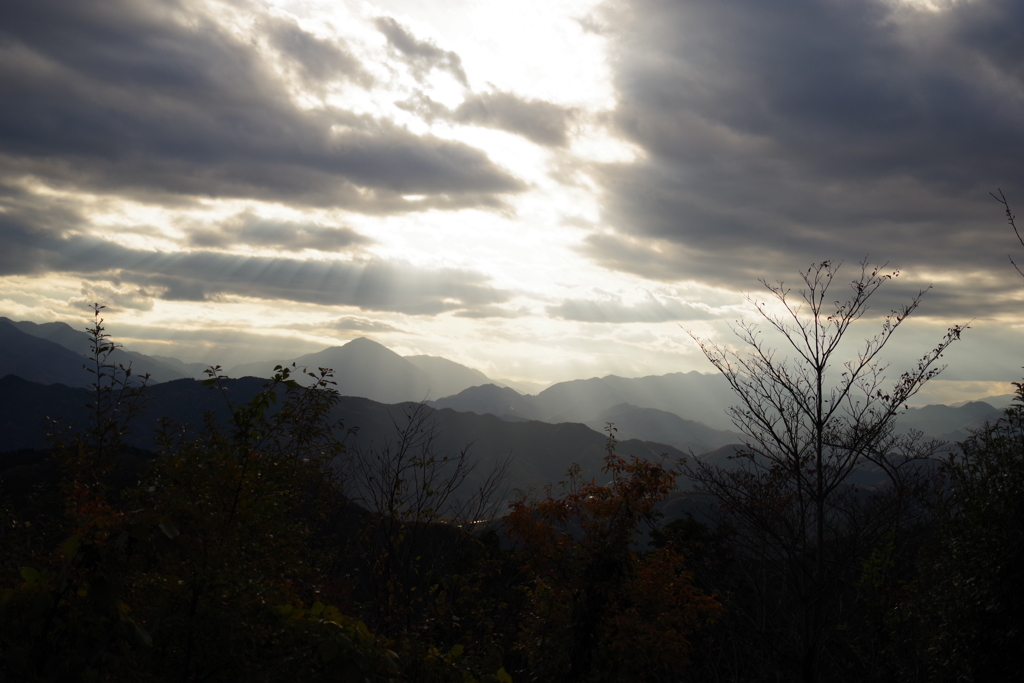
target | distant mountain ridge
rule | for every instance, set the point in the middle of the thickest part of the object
(684, 410)
(502, 402)
(948, 423)
(447, 377)
(660, 426)
(698, 397)
(55, 352)
(540, 452)
(78, 344)
(643, 408)
(363, 367)
(39, 360)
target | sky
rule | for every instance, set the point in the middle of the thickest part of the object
(543, 190)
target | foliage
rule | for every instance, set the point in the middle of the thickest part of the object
(200, 571)
(599, 609)
(234, 554)
(419, 568)
(965, 610)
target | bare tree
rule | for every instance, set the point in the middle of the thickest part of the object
(814, 427)
(424, 506)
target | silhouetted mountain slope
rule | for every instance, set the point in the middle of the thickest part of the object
(25, 408)
(193, 370)
(948, 422)
(867, 476)
(723, 456)
(365, 368)
(39, 360)
(447, 377)
(78, 342)
(361, 368)
(663, 427)
(541, 452)
(56, 332)
(998, 401)
(503, 402)
(692, 396)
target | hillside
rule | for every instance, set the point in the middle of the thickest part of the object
(78, 342)
(540, 452)
(663, 427)
(39, 360)
(502, 402)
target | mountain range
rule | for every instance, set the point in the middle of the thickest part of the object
(52, 353)
(698, 397)
(55, 352)
(539, 453)
(371, 370)
(684, 411)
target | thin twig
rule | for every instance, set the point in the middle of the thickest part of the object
(1010, 218)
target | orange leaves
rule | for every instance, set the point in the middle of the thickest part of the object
(650, 627)
(599, 607)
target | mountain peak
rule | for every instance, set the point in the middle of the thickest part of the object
(364, 341)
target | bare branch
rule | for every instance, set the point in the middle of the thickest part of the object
(792, 492)
(1010, 219)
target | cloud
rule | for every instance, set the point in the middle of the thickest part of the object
(490, 311)
(318, 60)
(114, 298)
(358, 324)
(422, 56)
(156, 100)
(780, 134)
(252, 230)
(968, 295)
(348, 323)
(613, 310)
(541, 122)
(61, 246)
(544, 123)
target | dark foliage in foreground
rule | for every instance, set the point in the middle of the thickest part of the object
(265, 544)
(259, 548)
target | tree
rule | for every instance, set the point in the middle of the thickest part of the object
(597, 609)
(814, 427)
(205, 566)
(416, 557)
(965, 610)
(234, 554)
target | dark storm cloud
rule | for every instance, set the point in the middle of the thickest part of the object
(370, 284)
(154, 98)
(252, 230)
(317, 59)
(422, 56)
(779, 134)
(614, 310)
(957, 296)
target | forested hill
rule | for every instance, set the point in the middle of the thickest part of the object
(540, 452)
